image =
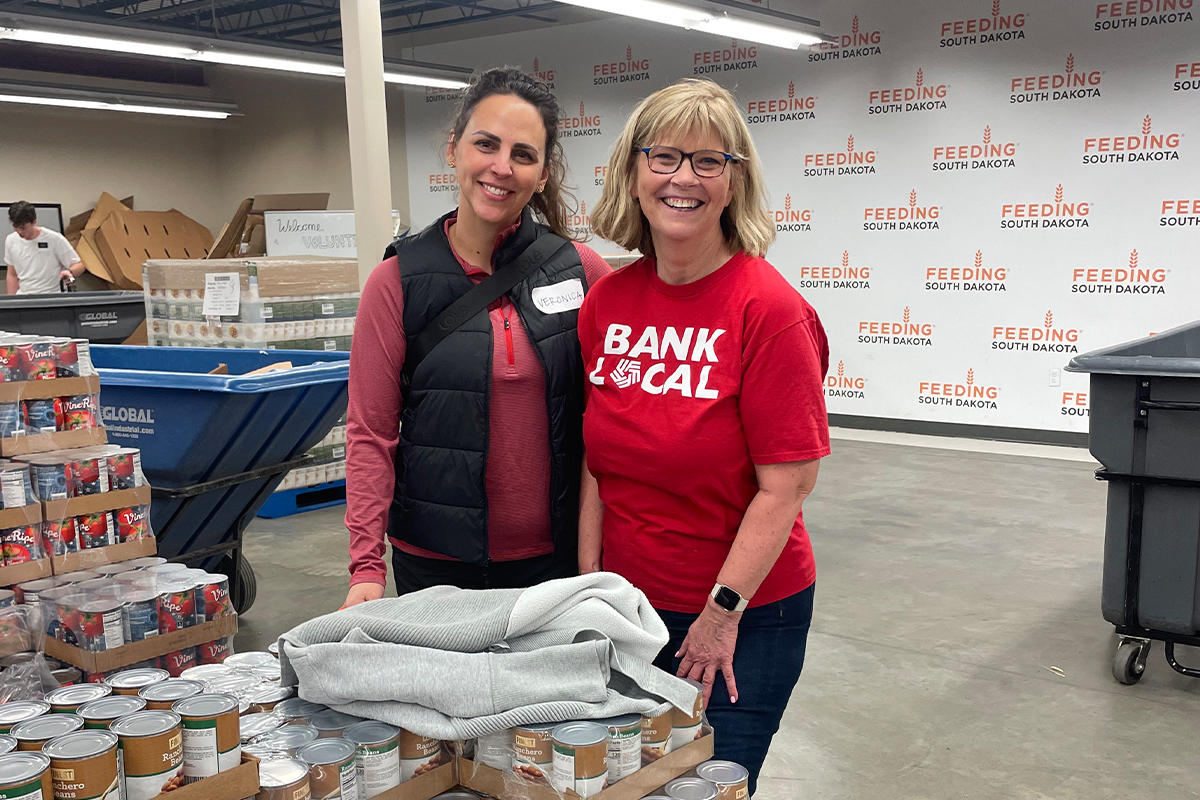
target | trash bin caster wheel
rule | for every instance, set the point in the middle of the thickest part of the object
(1129, 664)
(247, 584)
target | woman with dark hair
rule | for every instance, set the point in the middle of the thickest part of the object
(466, 455)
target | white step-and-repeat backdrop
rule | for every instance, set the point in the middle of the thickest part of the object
(968, 192)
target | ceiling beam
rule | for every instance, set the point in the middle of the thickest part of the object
(481, 15)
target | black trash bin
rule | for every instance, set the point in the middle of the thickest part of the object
(1144, 429)
(100, 317)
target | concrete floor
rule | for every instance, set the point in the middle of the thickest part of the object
(953, 588)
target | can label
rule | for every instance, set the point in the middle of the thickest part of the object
(418, 755)
(334, 781)
(40, 416)
(377, 767)
(176, 610)
(101, 630)
(215, 652)
(624, 751)
(656, 737)
(94, 778)
(58, 537)
(202, 740)
(37, 361)
(583, 770)
(12, 488)
(175, 663)
(90, 476)
(533, 755)
(66, 357)
(216, 600)
(75, 413)
(94, 530)
(10, 363)
(26, 791)
(52, 481)
(123, 469)
(21, 544)
(133, 523)
(10, 419)
(140, 620)
(152, 765)
(685, 727)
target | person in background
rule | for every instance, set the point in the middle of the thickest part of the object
(705, 417)
(37, 258)
(469, 463)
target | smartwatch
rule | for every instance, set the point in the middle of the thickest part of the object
(729, 599)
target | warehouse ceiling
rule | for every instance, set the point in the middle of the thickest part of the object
(312, 24)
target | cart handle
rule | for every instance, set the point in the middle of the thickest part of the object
(231, 480)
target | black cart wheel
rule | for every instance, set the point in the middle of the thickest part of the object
(1129, 664)
(247, 584)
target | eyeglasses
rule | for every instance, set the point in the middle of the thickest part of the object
(705, 163)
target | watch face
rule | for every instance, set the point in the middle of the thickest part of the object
(727, 598)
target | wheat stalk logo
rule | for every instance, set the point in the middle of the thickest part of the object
(629, 53)
(733, 42)
(907, 315)
(854, 24)
(787, 203)
(912, 197)
(850, 143)
(995, 8)
(845, 258)
(1058, 194)
(582, 210)
(970, 376)
(987, 134)
(1049, 319)
(920, 77)
(581, 113)
(1146, 126)
(791, 89)
(978, 259)
(1070, 63)
(535, 65)
(1133, 260)
(841, 369)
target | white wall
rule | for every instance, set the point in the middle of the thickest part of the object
(903, 346)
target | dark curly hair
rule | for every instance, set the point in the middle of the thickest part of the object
(554, 204)
(21, 213)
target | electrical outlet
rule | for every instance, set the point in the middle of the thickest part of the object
(1056, 377)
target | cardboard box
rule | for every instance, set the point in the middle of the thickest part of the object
(126, 239)
(87, 248)
(239, 229)
(424, 787)
(144, 650)
(277, 277)
(94, 504)
(239, 783)
(485, 779)
(31, 570)
(44, 442)
(43, 390)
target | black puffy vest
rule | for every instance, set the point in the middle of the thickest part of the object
(440, 501)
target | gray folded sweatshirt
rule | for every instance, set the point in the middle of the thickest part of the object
(458, 664)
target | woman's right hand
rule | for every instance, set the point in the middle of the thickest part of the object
(363, 592)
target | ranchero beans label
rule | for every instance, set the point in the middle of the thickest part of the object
(210, 745)
(378, 767)
(656, 736)
(86, 779)
(36, 789)
(686, 726)
(152, 764)
(418, 755)
(533, 754)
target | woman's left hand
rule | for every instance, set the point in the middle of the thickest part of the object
(708, 649)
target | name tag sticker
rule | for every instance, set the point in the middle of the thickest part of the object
(43, 245)
(565, 296)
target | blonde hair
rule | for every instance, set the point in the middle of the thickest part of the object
(690, 106)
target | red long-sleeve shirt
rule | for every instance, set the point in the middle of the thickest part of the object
(517, 478)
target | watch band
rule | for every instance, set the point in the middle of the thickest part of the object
(728, 599)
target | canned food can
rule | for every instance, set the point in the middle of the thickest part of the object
(51, 479)
(294, 711)
(22, 544)
(162, 695)
(252, 727)
(273, 649)
(656, 736)
(580, 758)
(216, 651)
(691, 789)
(58, 537)
(495, 750)
(10, 362)
(215, 590)
(39, 416)
(89, 474)
(16, 489)
(68, 699)
(20, 710)
(125, 468)
(624, 745)
(377, 756)
(70, 619)
(76, 412)
(176, 606)
(267, 673)
(98, 714)
(283, 779)
(731, 779)
(10, 420)
(331, 724)
(267, 699)
(419, 754)
(685, 725)
(84, 764)
(66, 358)
(289, 738)
(145, 562)
(151, 747)
(8, 598)
(332, 774)
(25, 776)
(29, 593)
(101, 625)
(67, 676)
(133, 523)
(36, 360)
(33, 733)
(533, 752)
(205, 673)
(94, 530)
(7, 745)
(211, 739)
(249, 659)
(139, 615)
(131, 681)
(175, 663)
(236, 685)
(79, 577)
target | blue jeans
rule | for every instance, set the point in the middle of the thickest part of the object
(766, 664)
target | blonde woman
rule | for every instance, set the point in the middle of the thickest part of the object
(705, 419)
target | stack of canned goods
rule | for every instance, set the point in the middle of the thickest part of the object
(36, 358)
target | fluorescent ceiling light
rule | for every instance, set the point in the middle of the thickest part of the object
(99, 105)
(699, 19)
(245, 57)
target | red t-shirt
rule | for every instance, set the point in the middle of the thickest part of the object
(688, 388)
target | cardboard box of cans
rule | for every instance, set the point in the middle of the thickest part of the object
(49, 394)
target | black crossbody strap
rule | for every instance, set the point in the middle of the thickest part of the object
(480, 297)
